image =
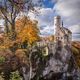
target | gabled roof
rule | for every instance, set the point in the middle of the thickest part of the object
(65, 30)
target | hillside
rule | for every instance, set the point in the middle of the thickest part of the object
(76, 51)
(76, 44)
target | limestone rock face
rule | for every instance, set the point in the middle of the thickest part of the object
(61, 63)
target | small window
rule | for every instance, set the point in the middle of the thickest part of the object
(61, 37)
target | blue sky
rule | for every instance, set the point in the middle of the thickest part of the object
(48, 4)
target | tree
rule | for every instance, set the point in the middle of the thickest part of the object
(27, 30)
(9, 10)
(27, 33)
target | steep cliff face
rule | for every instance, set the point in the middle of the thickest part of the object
(59, 64)
(59, 61)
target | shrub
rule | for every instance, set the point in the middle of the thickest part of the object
(2, 59)
(15, 76)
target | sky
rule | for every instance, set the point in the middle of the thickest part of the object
(69, 10)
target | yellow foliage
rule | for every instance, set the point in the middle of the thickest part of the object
(6, 43)
(27, 30)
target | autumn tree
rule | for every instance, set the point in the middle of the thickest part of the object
(27, 30)
(27, 33)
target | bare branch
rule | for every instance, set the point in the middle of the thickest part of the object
(5, 16)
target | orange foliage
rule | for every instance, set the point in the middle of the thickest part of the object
(76, 44)
(48, 38)
(27, 30)
(22, 56)
(6, 53)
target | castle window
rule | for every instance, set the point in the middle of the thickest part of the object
(61, 37)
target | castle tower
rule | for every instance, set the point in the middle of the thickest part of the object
(57, 25)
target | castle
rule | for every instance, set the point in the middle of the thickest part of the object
(61, 33)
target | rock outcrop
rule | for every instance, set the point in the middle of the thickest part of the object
(58, 65)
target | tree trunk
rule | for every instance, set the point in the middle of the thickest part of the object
(13, 32)
(25, 74)
(6, 27)
(30, 71)
(30, 65)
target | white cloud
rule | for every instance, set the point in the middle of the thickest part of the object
(69, 10)
(45, 20)
(37, 2)
(45, 16)
(1, 22)
(48, 30)
(76, 37)
(54, 1)
(75, 29)
(76, 32)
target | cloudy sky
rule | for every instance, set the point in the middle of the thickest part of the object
(69, 10)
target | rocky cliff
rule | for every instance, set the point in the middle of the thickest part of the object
(58, 65)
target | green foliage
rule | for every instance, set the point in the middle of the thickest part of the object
(15, 76)
(2, 59)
